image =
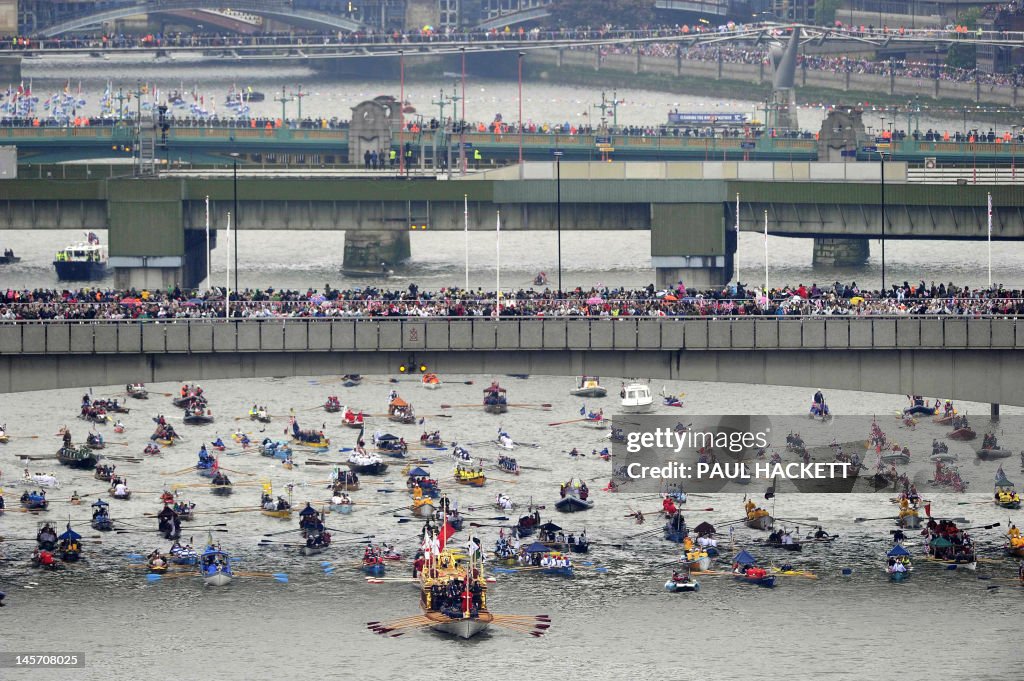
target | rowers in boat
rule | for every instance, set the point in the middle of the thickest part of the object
(220, 484)
(69, 547)
(317, 541)
(77, 457)
(588, 386)
(758, 518)
(503, 502)
(682, 582)
(351, 380)
(341, 503)
(949, 476)
(950, 545)
(919, 408)
(95, 441)
(527, 524)
(1014, 542)
(909, 518)
(390, 445)
(46, 538)
(948, 412)
(433, 439)
(594, 419)
(430, 381)
(574, 497)
(118, 426)
(961, 429)
(745, 569)
(104, 472)
(422, 506)
(1006, 496)
(343, 480)
(260, 414)
(195, 416)
(101, 521)
(495, 399)
(157, 563)
(453, 593)
(119, 488)
(275, 448)
(675, 528)
(373, 561)
(137, 391)
(189, 395)
(783, 539)
(241, 438)
(696, 559)
(541, 279)
(279, 508)
(34, 501)
(465, 475)
(819, 408)
(508, 464)
(990, 448)
(671, 400)
(183, 555)
(940, 452)
(207, 466)
(218, 444)
(215, 564)
(898, 564)
(352, 419)
(164, 433)
(366, 464)
(400, 411)
(168, 523)
(186, 510)
(554, 563)
(899, 456)
(419, 479)
(4, 437)
(332, 405)
(309, 438)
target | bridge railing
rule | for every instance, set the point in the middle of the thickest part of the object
(202, 336)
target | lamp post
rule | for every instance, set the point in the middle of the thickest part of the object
(558, 219)
(462, 121)
(401, 111)
(881, 159)
(234, 192)
(521, 55)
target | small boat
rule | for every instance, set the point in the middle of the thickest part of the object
(588, 386)
(422, 507)
(184, 555)
(8, 258)
(158, 564)
(309, 438)
(189, 402)
(759, 519)
(81, 457)
(468, 476)
(390, 445)
(495, 399)
(779, 544)
(541, 279)
(104, 472)
(962, 434)
(316, 543)
(637, 399)
(138, 391)
(698, 560)
(574, 499)
(95, 441)
(401, 411)
(352, 419)
(909, 519)
(260, 415)
(216, 566)
(197, 418)
(682, 585)
(341, 508)
(122, 494)
(919, 410)
(332, 405)
(993, 453)
(221, 489)
(745, 569)
(284, 513)
(351, 380)
(1006, 496)
(458, 614)
(101, 521)
(82, 261)
(898, 565)
(366, 464)
(69, 547)
(899, 458)
(374, 567)
(276, 449)
(430, 381)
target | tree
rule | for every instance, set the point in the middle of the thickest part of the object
(631, 13)
(964, 56)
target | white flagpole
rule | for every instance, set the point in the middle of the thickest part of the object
(497, 244)
(465, 218)
(766, 252)
(736, 255)
(990, 240)
(209, 282)
(227, 283)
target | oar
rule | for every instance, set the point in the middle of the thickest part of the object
(864, 520)
(562, 423)
(278, 576)
(183, 470)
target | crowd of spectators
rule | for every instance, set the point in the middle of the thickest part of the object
(837, 299)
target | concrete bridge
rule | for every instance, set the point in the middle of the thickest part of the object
(975, 359)
(156, 232)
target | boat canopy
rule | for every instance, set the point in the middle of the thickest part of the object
(744, 558)
(537, 547)
(387, 437)
(69, 535)
(399, 402)
(494, 389)
(897, 551)
(308, 511)
(705, 528)
(940, 543)
(100, 503)
(419, 473)
(550, 527)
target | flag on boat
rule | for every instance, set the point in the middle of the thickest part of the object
(446, 532)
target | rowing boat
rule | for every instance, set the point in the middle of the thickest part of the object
(682, 586)
(285, 513)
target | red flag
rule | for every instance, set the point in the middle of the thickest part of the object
(928, 510)
(446, 532)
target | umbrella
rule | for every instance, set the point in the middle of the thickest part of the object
(670, 298)
(940, 543)
(418, 473)
(595, 300)
(131, 301)
(704, 528)
(550, 527)
(744, 558)
(196, 301)
(537, 547)
(897, 551)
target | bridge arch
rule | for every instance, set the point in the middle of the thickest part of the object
(284, 10)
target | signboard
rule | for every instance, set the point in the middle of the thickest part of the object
(748, 145)
(557, 152)
(602, 140)
(676, 118)
(869, 150)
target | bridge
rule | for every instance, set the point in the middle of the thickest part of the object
(60, 18)
(975, 359)
(156, 232)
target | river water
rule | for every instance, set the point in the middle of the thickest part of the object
(438, 259)
(939, 624)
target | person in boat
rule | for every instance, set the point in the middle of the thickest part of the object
(821, 534)
(220, 479)
(218, 443)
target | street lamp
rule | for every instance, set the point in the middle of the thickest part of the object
(521, 55)
(558, 203)
(881, 158)
(234, 184)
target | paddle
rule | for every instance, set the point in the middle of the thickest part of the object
(562, 423)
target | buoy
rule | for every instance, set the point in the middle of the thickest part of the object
(847, 572)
